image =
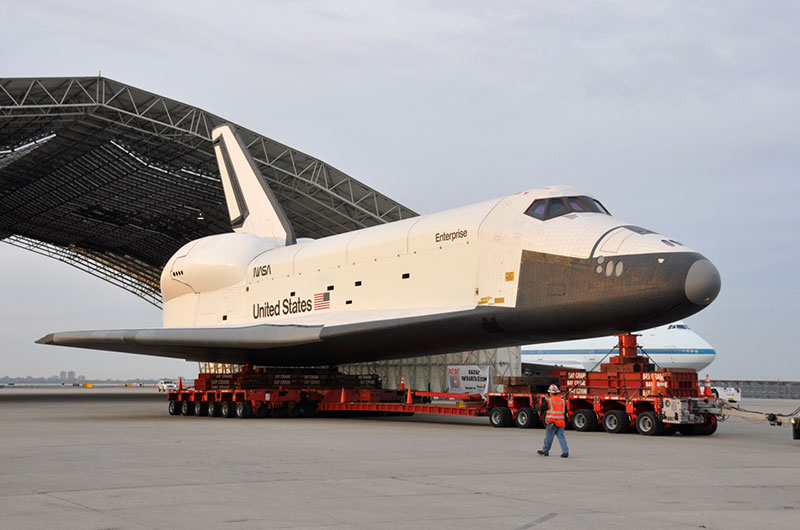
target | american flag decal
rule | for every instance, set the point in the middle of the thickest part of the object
(322, 301)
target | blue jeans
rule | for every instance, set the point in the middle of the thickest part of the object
(551, 431)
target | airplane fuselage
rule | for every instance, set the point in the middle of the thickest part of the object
(670, 346)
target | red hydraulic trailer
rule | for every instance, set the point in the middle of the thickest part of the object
(626, 393)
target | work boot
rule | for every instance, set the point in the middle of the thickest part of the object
(543, 453)
(564, 455)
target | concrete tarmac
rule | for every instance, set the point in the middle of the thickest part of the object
(114, 459)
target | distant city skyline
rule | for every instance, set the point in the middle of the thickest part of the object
(56, 379)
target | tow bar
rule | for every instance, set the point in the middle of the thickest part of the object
(773, 418)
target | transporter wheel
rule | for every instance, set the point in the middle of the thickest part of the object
(174, 407)
(525, 418)
(278, 412)
(669, 429)
(214, 409)
(691, 429)
(648, 424)
(200, 408)
(305, 409)
(795, 428)
(710, 427)
(292, 409)
(187, 408)
(616, 421)
(244, 409)
(261, 412)
(500, 417)
(584, 420)
(228, 409)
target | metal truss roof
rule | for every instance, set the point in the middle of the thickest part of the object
(113, 180)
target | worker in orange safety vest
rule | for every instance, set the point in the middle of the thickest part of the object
(555, 421)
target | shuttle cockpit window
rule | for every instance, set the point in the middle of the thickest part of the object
(549, 208)
(555, 208)
(537, 208)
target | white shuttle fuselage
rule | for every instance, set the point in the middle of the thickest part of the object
(541, 265)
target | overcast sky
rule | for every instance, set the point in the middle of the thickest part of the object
(681, 117)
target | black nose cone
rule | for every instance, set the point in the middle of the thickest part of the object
(702, 282)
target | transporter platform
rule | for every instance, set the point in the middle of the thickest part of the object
(627, 393)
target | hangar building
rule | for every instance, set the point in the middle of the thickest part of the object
(113, 179)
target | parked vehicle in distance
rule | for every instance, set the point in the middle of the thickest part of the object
(727, 393)
(167, 385)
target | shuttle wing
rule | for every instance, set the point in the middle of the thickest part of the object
(231, 344)
(395, 336)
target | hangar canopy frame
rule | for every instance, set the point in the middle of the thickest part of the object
(113, 179)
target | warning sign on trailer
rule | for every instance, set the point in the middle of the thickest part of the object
(468, 379)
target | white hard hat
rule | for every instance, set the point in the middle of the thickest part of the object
(554, 389)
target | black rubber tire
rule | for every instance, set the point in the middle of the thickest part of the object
(525, 418)
(174, 407)
(261, 412)
(200, 408)
(306, 409)
(501, 417)
(616, 421)
(796, 429)
(214, 409)
(710, 427)
(584, 420)
(691, 429)
(669, 429)
(244, 409)
(278, 412)
(648, 424)
(187, 408)
(228, 409)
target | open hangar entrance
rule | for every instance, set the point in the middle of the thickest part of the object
(112, 180)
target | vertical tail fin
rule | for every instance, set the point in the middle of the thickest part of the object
(252, 206)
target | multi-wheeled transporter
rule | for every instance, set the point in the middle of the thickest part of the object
(627, 393)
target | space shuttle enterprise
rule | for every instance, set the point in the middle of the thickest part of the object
(542, 265)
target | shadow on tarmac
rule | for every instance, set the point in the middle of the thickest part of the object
(88, 396)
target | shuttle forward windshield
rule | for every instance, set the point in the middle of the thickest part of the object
(544, 209)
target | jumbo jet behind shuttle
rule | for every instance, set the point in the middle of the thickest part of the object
(541, 265)
(670, 346)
